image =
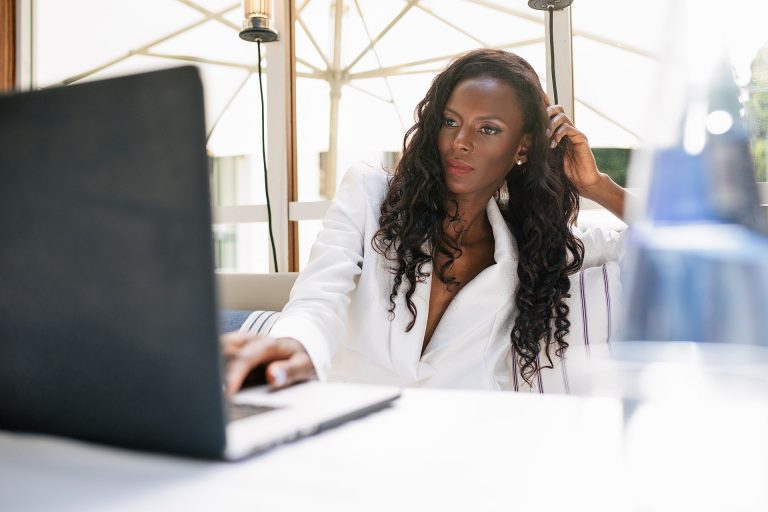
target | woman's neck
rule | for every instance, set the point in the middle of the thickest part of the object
(467, 223)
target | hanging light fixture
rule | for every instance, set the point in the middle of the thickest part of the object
(256, 22)
(550, 6)
(256, 30)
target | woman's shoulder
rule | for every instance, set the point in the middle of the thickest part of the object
(367, 180)
(367, 175)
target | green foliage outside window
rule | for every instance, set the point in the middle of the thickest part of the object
(757, 112)
(613, 162)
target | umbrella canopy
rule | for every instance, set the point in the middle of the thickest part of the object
(362, 65)
(93, 39)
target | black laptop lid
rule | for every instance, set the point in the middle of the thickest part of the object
(107, 309)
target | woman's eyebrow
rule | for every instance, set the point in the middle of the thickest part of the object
(449, 109)
(481, 118)
(491, 118)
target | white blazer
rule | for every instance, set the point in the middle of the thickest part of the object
(338, 308)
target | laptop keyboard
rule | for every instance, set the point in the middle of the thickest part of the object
(238, 411)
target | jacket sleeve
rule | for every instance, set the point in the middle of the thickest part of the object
(316, 312)
(601, 246)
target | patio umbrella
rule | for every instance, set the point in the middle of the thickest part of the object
(362, 65)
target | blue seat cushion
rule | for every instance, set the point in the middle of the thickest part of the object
(231, 319)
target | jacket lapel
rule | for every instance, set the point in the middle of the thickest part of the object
(405, 347)
(482, 298)
(489, 292)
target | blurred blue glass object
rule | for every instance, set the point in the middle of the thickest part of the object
(697, 261)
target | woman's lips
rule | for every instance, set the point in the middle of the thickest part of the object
(458, 167)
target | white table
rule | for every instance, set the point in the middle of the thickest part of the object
(433, 450)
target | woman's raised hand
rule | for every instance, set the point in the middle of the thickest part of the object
(286, 360)
(579, 161)
(580, 165)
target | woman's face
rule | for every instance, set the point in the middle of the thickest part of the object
(481, 137)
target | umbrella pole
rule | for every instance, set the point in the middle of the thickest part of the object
(333, 136)
(335, 83)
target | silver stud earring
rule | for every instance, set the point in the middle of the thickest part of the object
(520, 162)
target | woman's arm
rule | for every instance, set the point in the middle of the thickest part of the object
(581, 166)
(316, 314)
(607, 194)
(303, 340)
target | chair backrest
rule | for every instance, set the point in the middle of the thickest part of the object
(252, 292)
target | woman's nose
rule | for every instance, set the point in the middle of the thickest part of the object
(463, 140)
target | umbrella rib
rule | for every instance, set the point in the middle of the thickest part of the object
(394, 70)
(318, 76)
(306, 2)
(226, 107)
(378, 61)
(616, 44)
(386, 29)
(212, 15)
(514, 12)
(524, 42)
(581, 33)
(191, 58)
(455, 27)
(313, 41)
(310, 66)
(130, 53)
(607, 118)
(369, 93)
(399, 72)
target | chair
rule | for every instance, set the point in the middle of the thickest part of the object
(254, 296)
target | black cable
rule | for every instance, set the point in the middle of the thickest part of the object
(552, 50)
(264, 160)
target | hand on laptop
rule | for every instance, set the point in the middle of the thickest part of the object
(285, 359)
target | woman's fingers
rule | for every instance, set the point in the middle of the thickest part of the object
(285, 372)
(579, 161)
(246, 351)
(567, 130)
(559, 125)
(243, 358)
(232, 342)
(256, 350)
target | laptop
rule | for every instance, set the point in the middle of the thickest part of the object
(108, 316)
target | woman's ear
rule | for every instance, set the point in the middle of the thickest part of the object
(521, 156)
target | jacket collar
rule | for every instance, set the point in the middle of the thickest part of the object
(485, 296)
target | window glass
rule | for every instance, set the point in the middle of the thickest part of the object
(83, 40)
(235, 250)
(616, 64)
(617, 59)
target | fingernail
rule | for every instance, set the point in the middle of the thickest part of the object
(553, 145)
(549, 132)
(279, 377)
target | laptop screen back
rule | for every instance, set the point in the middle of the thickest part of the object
(107, 308)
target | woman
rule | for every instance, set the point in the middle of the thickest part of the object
(454, 271)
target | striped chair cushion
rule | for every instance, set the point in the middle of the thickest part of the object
(594, 305)
(260, 322)
(594, 310)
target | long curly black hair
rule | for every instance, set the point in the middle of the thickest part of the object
(540, 205)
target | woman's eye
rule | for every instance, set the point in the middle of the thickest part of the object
(450, 122)
(489, 130)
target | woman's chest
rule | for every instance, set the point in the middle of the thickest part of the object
(457, 276)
